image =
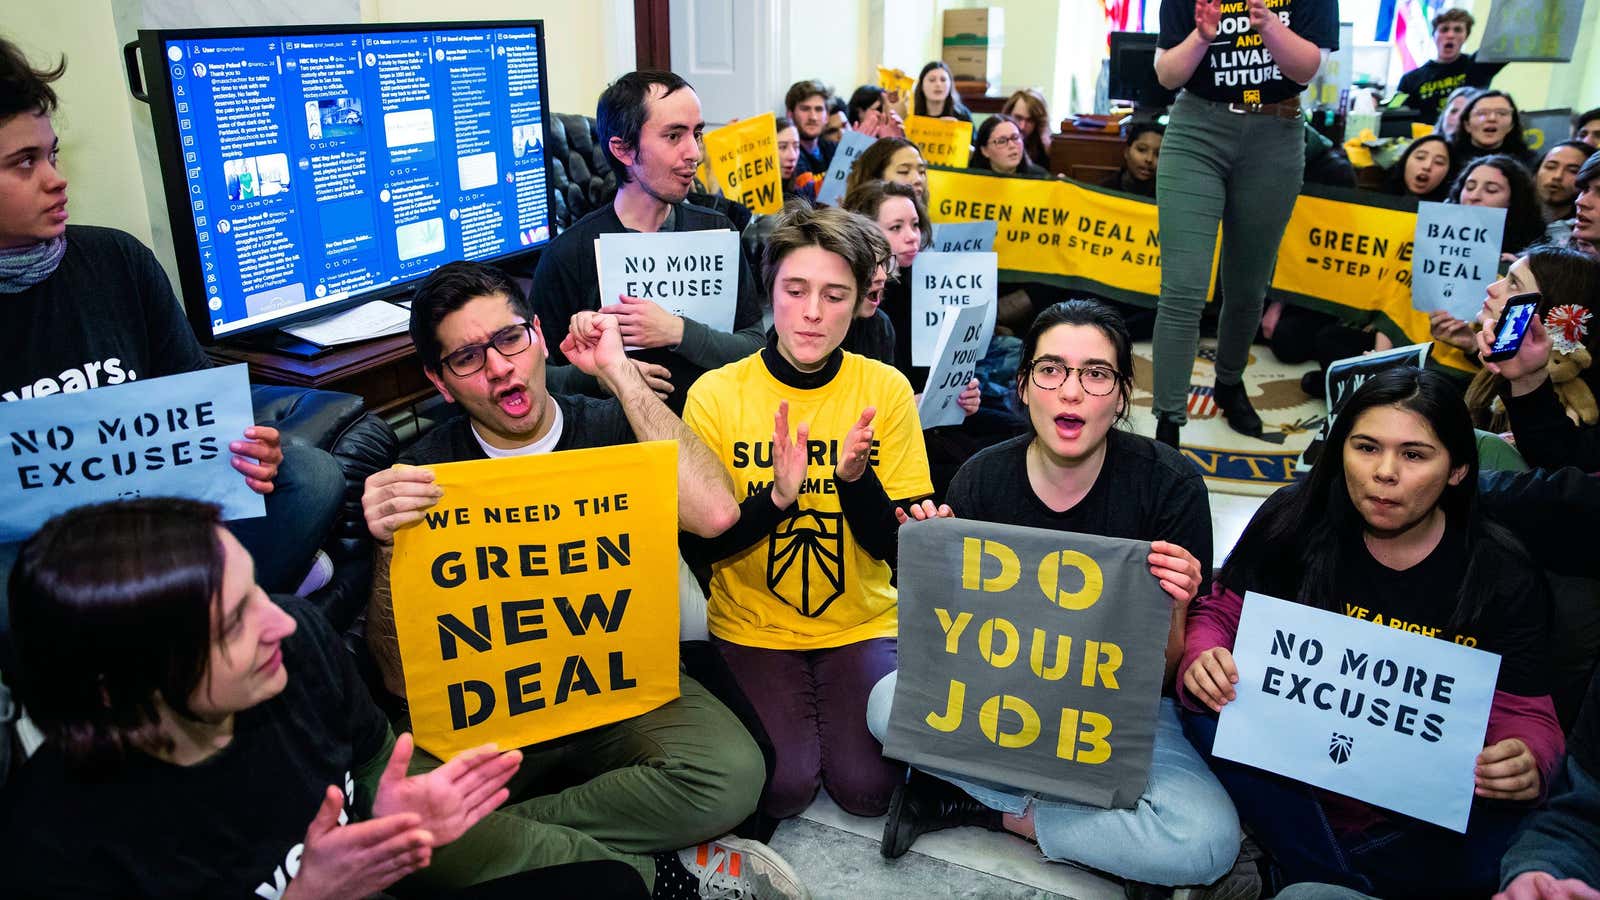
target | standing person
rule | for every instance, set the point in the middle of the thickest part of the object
(936, 94)
(999, 148)
(649, 125)
(1235, 155)
(1427, 86)
(1391, 515)
(1076, 471)
(807, 104)
(803, 605)
(1027, 106)
(1491, 124)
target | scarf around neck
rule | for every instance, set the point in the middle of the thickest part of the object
(23, 267)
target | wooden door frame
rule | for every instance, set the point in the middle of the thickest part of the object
(652, 34)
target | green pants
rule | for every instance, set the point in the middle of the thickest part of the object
(671, 778)
(1238, 170)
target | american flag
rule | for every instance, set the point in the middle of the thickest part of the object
(1201, 404)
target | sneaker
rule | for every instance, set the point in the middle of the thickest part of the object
(1234, 402)
(924, 803)
(739, 869)
(318, 576)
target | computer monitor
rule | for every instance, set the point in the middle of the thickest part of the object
(311, 168)
(1133, 70)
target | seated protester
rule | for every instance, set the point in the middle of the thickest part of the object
(1141, 152)
(1586, 127)
(1325, 161)
(649, 125)
(871, 333)
(872, 111)
(1449, 122)
(838, 120)
(1558, 854)
(673, 777)
(1555, 184)
(789, 159)
(1585, 235)
(1501, 182)
(891, 159)
(1546, 431)
(1389, 515)
(207, 770)
(1490, 124)
(88, 306)
(997, 147)
(1427, 85)
(807, 105)
(802, 600)
(1028, 107)
(903, 222)
(936, 94)
(1075, 470)
(1423, 170)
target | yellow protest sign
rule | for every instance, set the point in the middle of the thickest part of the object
(943, 142)
(896, 80)
(744, 158)
(539, 597)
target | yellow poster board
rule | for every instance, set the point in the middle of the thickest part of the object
(539, 596)
(744, 158)
(943, 142)
(896, 80)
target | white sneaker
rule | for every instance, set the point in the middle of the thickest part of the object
(731, 868)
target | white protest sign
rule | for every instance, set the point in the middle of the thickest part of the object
(155, 437)
(964, 237)
(1372, 712)
(942, 281)
(851, 145)
(694, 274)
(963, 338)
(1455, 255)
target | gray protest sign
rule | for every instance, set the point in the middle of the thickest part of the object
(1455, 255)
(1531, 31)
(1029, 657)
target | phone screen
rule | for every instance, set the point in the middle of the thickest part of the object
(1513, 325)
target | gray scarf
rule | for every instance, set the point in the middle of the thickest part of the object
(23, 267)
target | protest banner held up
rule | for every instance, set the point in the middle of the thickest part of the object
(945, 281)
(539, 596)
(1457, 254)
(963, 237)
(155, 437)
(744, 158)
(963, 339)
(1530, 31)
(1368, 710)
(688, 273)
(1030, 658)
(851, 145)
(1344, 376)
(943, 142)
(897, 81)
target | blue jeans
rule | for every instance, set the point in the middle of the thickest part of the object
(1182, 831)
(1398, 857)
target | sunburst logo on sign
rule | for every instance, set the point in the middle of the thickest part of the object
(1340, 746)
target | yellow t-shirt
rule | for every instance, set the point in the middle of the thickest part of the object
(809, 584)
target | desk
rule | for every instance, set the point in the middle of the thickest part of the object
(384, 372)
(1086, 155)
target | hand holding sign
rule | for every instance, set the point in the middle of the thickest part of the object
(970, 398)
(922, 512)
(1211, 678)
(1447, 329)
(1506, 770)
(1176, 569)
(395, 498)
(644, 323)
(788, 458)
(857, 448)
(1544, 886)
(358, 859)
(258, 456)
(450, 799)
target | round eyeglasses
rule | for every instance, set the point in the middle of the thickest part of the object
(508, 342)
(1051, 374)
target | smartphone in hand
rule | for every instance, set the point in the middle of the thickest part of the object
(1513, 324)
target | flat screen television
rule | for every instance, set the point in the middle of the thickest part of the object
(1133, 70)
(311, 168)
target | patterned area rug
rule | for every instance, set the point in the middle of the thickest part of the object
(1230, 461)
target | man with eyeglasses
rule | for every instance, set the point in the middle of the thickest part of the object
(1426, 87)
(675, 776)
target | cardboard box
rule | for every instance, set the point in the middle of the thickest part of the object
(974, 63)
(983, 26)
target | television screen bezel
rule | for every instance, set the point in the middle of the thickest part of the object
(174, 180)
(1121, 41)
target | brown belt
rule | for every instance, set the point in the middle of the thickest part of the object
(1283, 109)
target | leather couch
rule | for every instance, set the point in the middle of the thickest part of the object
(582, 180)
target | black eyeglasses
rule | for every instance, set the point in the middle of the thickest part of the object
(508, 342)
(1050, 374)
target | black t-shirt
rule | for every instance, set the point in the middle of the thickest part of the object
(1515, 622)
(566, 283)
(896, 307)
(231, 826)
(1584, 744)
(1238, 67)
(1146, 491)
(106, 315)
(872, 337)
(1427, 86)
(585, 422)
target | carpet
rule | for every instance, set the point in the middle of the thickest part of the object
(1230, 461)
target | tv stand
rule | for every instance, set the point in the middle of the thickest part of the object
(383, 370)
(273, 340)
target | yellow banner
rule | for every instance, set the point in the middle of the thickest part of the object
(1335, 253)
(533, 603)
(896, 80)
(943, 142)
(744, 158)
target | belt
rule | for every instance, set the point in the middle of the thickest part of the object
(1283, 109)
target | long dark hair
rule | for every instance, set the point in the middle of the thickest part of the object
(1294, 547)
(1037, 111)
(952, 104)
(868, 197)
(1524, 222)
(874, 160)
(1094, 314)
(111, 608)
(1513, 145)
(980, 156)
(1394, 181)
